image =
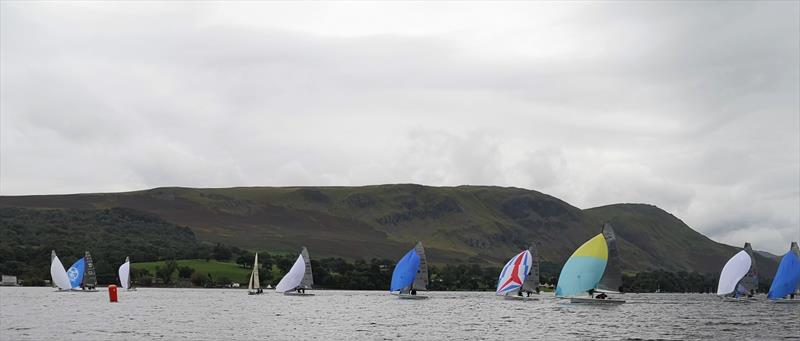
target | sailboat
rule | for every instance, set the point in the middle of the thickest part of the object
(520, 275)
(299, 278)
(58, 274)
(411, 274)
(739, 276)
(787, 278)
(82, 276)
(125, 275)
(254, 285)
(593, 267)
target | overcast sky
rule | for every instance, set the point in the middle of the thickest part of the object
(693, 107)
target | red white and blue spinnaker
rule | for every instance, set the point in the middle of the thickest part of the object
(514, 273)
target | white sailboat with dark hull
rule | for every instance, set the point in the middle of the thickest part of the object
(411, 274)
(299, 278)
(520, 276)
(254, 285)
(593, 268)
(738, 280)
(124, 273)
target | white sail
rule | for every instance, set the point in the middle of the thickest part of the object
(125, 274)
(254, 283)
(58, 274)
(733, 271)
(293, 277)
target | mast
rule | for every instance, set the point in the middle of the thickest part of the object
(308, 277)
(612, 277)
(531, 282)
(421, 279)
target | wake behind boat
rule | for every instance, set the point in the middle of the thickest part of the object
(593, 268)
(411, 274)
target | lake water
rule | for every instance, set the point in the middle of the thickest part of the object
(217, 314)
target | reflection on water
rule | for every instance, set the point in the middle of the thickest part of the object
(210, 314)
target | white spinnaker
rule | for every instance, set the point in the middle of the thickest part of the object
(124, 275)
(293, 277)
(59, 275)
(732, 272)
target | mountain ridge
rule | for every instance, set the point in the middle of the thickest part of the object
(458, 224)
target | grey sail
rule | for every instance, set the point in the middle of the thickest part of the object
(90, 277)
(421, 280)
(612, 277)
(796, 251)
(750, 281)
(52, 256)
(128, 260)
(308, 277)
(532, 280)
(254, 283)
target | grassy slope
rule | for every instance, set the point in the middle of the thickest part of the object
(457, 224)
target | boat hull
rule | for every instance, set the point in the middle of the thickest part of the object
(412, 297)
(254, 293)
(519, 298)
(294, 293)
(587, 300)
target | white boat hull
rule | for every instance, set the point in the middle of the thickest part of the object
(586, 300)
(412, 297)
(295, 293)
(520, 298)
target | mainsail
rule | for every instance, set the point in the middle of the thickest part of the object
(750, 281)
(514, 274)
(125, 274)
(796, 251)
(254, 283)
(90, 279)
(308, 277)
(733, 272)
(787, 278)
(531, 283)
(421, 279)
(612, 276)
(58, 274)
(584, 268)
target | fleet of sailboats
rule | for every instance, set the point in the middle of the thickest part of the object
(591, 273)
(411, 274)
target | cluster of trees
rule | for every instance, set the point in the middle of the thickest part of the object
(680, 281)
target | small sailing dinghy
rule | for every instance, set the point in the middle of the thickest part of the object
(787, 279)
(411, 274)
(58, 274)
(739, 277)
(82, 276)
(520, 276)
(593, 268)
(299, 278)
(254, 285)
(124, 273)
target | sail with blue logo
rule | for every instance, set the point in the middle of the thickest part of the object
(514, 273)
(405, 272)
(787, 278)
(75, 273)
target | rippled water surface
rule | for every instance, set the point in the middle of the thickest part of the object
(209, 314)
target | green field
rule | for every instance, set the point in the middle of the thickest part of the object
(217, 269)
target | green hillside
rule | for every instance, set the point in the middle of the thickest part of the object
(232, 271)
(465, 224)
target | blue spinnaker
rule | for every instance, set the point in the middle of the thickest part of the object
(405, 271)
(75, 273)
(786, 278)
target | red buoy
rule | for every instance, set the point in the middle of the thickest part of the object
(112, 293)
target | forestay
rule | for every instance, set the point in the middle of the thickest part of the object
(733, 271)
